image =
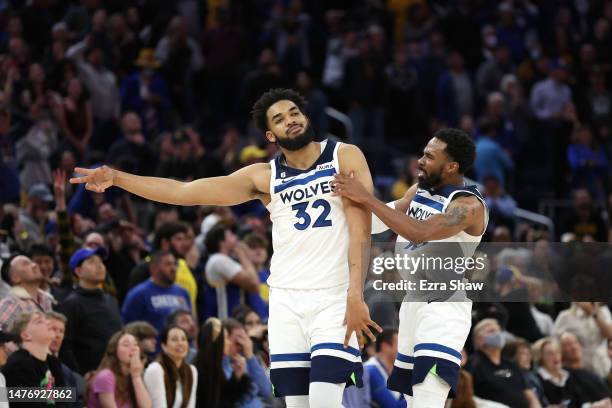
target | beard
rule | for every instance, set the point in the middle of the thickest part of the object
(430, 180)
(299, 141)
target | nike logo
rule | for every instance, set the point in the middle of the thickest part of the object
(283, 181)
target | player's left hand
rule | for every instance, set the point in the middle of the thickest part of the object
(357, 319)
(349, 187)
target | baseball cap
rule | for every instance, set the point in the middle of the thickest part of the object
(85, 253)
(40, 191)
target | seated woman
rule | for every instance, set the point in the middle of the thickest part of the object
(216, 387)
(171, 381)
(559, 385)
(118, 380)
(519, 351)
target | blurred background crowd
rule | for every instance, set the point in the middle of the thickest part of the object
(165, 88)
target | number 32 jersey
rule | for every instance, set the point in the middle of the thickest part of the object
(309, 230)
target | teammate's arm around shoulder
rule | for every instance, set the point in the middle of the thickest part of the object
(359, 220)
(246, 184)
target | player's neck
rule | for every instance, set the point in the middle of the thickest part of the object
(457, 181)
(303, 158)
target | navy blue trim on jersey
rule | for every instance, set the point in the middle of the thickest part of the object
(327, 155)
(404, 358)
(289, 357)
(305, 180)
(336, 370)
(446, 191)
(438, 347)
(290, 381)
(428, 202)
(335, 346)
(402, 380)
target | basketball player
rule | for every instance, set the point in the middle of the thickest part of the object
(439, 208)
(316, 281)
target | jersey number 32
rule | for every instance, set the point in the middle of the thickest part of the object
(304, 217)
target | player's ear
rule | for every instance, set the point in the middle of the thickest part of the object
(270, 136)
(453, 167)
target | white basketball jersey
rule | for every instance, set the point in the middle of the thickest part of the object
(458, 247)
(430, 202)
(309, 230)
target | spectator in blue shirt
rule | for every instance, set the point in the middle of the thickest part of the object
(241, 345)
(588, 162)
(491, 160)
(155, 299)
(379, 367)
(145, 93)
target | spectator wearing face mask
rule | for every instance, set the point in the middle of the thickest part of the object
(496, 378)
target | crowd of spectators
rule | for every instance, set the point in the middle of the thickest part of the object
(135, 303)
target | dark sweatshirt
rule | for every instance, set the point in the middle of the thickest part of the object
(22, 369)
(93, 317)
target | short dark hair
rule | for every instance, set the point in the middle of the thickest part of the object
(172, 318)
(214, 237)
(167, 231)
(459, 146)
(39, 249)
(260, 108)
(141, 330)
(156, 257)
(386, 336)
(230, 324)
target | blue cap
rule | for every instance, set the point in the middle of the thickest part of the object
(40, 191)
(84, 253)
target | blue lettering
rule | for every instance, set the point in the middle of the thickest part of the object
(286, 196)
(419, 213)
(299, 195)
(307, 192)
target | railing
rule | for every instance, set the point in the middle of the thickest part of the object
(343, 119)
(519, 213)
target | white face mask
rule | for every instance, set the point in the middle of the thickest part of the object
(495, 340)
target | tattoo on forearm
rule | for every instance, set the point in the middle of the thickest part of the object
(455, 216)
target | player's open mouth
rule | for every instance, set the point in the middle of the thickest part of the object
(421, 173)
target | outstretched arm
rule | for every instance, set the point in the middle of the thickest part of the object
(359, 222)
(246, 184)
(461, 214)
